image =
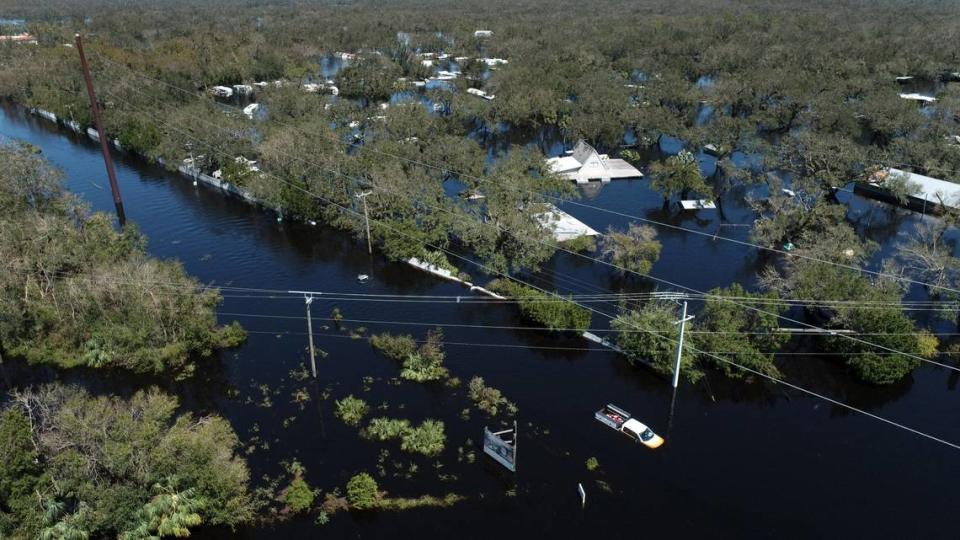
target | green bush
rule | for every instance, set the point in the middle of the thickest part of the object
(298, 496)
(580, 244)
(419, 364)
(69, 299)
(428, 438)
(553, 312)
(592, 464)
(488, 399)
(352, 410)
(384, 429)
(131, 463)
(396, 347)
(362, 491)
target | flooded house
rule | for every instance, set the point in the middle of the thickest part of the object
(23, 37)
(584, 163)
(923, 193)
(913, 96)
(563, 226)
(480, 93)
(493, 62)
(250, 110)
(222, 91)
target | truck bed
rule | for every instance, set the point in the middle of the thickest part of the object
(612, 416)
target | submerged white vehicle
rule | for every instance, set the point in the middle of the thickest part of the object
(622, 421)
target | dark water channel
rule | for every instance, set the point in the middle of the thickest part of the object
(742, 460)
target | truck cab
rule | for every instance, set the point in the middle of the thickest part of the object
(636, 430)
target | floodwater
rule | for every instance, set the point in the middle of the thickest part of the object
(742, 459)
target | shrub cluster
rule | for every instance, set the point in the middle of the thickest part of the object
(428, 438)
(554, 312)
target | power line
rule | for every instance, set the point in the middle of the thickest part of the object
(561, 248)
(796, 387)
(445, 343)
(675, 285)
(282, 294)
(534, 328)
(358, 337)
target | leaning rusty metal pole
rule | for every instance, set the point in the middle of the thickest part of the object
(104, 146)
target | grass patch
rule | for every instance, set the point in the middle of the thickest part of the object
(405, 503)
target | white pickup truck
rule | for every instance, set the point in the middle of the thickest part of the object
(622, 421)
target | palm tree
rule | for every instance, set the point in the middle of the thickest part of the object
(169, 513)
(70, 527)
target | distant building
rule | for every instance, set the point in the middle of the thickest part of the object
(918, 97)
(446, 75)
(584, 163)
(222, 91)
(24, 37)
(250, 110)
(480, 93)
(493, 62)
(562, 225)
(925, 194)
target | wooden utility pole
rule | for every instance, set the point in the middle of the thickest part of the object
(104, 146)
(313, 357)
(366, 218)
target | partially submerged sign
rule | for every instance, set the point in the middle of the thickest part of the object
(502, 446)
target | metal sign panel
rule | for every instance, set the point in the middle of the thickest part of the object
(503, 452)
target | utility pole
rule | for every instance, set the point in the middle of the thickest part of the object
(676, 365)
(193, 164)
(104, 146)
(516, 435)
(366, 218)
(313, 359)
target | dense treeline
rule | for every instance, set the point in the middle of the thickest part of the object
(78, 466)
(76, 292)
(807, 88)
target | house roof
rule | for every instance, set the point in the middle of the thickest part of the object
(933, 190)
